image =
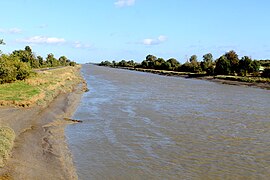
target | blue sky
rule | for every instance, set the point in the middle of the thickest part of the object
(96, 30)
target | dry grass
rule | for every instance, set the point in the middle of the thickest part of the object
(7, 137)
(41, 88)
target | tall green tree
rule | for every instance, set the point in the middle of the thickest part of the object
(151, 61)
(223, 66)
(63, 60)
(194, 64)
(207, 64)
(234, 61)
(174, 63)
(51, 61)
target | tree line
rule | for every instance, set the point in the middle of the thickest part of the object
(19, 64)
(227, 64)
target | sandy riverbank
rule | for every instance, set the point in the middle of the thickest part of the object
(40, 150)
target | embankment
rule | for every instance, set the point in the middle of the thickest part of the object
(40, 150)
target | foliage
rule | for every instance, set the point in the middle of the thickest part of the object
(227, 64)
(233, 59)
(266, 73)
(223, 66)
(19, 64)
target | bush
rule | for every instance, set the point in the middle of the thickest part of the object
(8, 71)
(266, 73)
(12, 69)
(23, 70)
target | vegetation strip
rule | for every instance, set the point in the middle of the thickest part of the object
(228, 64)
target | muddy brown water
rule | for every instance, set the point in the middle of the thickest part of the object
(144, 126)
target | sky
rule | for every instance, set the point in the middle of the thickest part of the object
(98, 30)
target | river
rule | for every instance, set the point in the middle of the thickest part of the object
(143, 126)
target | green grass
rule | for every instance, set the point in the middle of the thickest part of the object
(7, 137)
(17, 91)
(41, 88)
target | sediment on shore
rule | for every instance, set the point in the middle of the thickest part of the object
(40, 150)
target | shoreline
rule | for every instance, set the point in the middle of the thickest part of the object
(40, 149)
(201, 77)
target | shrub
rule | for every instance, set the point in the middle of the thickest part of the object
(266, 73)
(8, 71)
(23, 70)
(12, 69)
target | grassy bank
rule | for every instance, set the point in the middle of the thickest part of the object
(41, 88)
(7, 137)
(244, 79)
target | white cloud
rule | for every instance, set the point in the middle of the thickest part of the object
(42, 40)
(149, 41)
(123, 3)
(78, 44)
(10, 31)
(155, 41)
(162, 38)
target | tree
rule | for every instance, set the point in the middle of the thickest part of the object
(63, 60)
(158, 64)
(245, 65)
(207, 61)
(194, 65)
(234, 60)
(255, 66)
(151, 59)
(174, 63)
(144, 64)
(222, 66)
(51, 61)
(41, 61)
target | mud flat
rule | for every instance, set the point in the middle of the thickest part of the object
(40, 150)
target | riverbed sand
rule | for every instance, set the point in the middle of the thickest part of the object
(40, 150)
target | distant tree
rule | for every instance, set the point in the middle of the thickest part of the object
(207, 62)
(105, 63)
(151, 59)
(114, 63)
(41, 61)
(223, 66)
(255, 66)
(194, 64)
(51, 61)
(186, 67)
(63, 60)
(245, 65)
(266, 73)
(144, 64)
(234, 61)
(159, 63)
(122, 63)
(174, 63)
